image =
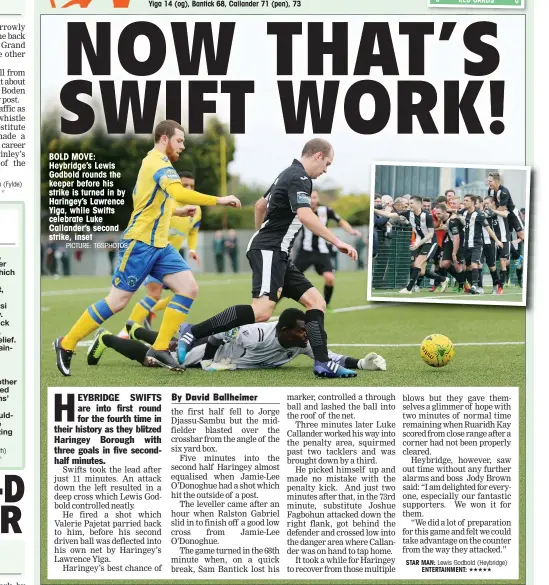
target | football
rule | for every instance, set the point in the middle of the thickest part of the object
(437, 350)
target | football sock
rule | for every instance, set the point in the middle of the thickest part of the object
(174, 316)
(519, 275)
(210, 351)
(468, 276)
(413, 278)
(314, 323)
(89, 321)
(453, 272)
(443, 272)
(127, 347)
(328, 292)
(503, 277)
(480, 280)
(474, 276)
(232, 317)
(436, 277)
(495, 277)
(351, 362)
(142, 309)
(146, 335)
(162, 304)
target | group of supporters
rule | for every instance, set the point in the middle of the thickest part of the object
(457, 237)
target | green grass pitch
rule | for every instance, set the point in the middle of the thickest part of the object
(489, 341)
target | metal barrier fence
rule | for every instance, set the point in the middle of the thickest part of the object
(391, 267)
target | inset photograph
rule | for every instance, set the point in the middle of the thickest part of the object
(449, 234)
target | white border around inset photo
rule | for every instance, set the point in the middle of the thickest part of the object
(394, 296)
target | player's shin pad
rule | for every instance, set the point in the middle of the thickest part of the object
(142, 309)
(314, 323)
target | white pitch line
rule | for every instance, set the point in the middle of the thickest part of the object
(419, 344)
(341, 310)
(350, 309)
(85, 291)
(89, 342)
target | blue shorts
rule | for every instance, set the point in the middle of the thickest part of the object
(152, 280)
(137, 260)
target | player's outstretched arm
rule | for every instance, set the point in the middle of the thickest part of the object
(310, 220)
(502, 212)
(418, 243)
(343, 223)
(190, 197)
(388, 214)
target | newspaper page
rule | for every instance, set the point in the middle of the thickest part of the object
(17, 255)
(283, 269)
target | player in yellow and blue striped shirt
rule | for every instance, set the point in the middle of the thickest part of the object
(181, 229)
(144, 250)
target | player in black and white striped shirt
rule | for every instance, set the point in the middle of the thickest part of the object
(504, 202)
(473, 240)
(279, 215)
(315, 251)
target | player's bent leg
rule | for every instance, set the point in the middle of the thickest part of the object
(142, 309)
(263, 309)
(185, 291)
(133, 350)
(323, 367)
(90, 320)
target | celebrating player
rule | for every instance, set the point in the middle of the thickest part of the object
(503, 200)
(314, 250)
(145, 250)
(475, 221)
(279, 216)
(452, 245)
(261, 345)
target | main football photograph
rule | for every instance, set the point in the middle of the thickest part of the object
(191, 253)
(446, 234)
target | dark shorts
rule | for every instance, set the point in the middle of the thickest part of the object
(448, 251)
(472, 255)
(429, 250)
(489, 253)
(503, 253)
(321, 262)
(276, 276)
(515, 222)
